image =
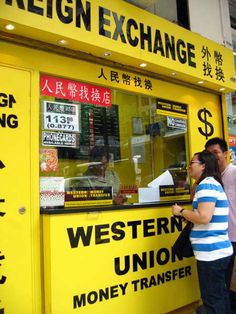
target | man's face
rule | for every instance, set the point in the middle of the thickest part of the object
(220, 155)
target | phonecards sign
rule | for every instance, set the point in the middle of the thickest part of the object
(60, 139)
(60, 116)
(177, 123)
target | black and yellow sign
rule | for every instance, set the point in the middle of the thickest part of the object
(172, 192)
(171, 108)
(89, 196)
(120, 263)
(134, 36)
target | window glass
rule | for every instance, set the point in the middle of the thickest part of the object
(231, 111)
(129, 151)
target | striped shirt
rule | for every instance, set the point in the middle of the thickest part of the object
(210, 241)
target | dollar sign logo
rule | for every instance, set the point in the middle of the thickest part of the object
(2, 166)
(203, 114)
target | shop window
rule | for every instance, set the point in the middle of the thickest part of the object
(112, 149)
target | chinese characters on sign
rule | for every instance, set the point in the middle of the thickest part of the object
(61, 117)
(76, 91)
(125, 79)
(212, 64)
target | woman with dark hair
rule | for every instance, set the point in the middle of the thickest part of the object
(209, 235)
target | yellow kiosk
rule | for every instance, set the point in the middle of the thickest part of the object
(70, 81)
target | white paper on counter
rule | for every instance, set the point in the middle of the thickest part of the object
(148, 195)
(164, 179)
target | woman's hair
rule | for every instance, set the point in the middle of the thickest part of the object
(211, 166)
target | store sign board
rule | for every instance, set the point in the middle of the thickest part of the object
(60, 116)
(172, 108)
(75, 91)
(123, 30)
(117, 263)
(174, 193)
(89, 196)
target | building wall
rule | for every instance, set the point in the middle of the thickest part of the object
(211, 20)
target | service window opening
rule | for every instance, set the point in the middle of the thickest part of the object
(126, 149)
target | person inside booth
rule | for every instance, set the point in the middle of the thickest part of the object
(99, 173)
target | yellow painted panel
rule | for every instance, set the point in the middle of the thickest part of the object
(16, 293)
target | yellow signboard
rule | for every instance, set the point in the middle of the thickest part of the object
(129, 34)
(102, 263)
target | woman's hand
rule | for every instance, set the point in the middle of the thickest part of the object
(176, 210)
(202, 215)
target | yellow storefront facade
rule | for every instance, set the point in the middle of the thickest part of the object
(68, 247)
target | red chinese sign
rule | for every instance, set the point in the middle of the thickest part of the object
(73, 90)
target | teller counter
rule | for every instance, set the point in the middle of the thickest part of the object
(116, 260)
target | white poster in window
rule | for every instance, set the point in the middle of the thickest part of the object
(60, 116)
(52, 192)
(60, 139)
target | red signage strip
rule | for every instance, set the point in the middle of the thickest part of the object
(73, 90)
(232, 140)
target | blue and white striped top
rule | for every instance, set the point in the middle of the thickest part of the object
(211, 241)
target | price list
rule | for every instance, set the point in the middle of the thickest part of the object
(99, 126)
